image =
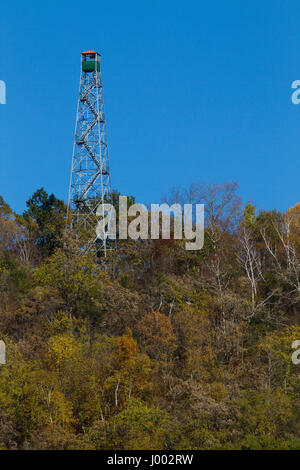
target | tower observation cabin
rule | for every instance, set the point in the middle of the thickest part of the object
(90, 61)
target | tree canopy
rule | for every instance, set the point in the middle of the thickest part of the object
(153, 347)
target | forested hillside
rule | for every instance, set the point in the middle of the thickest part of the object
(153, 347)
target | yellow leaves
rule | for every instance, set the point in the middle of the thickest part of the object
(64, 323)
(279, 343)
(249, 213)
(136, 427)
(128, 362)
(131, 372)
(196, 342)
(158, 337)
(276, 349)
(77, 280)
(61, 323)
(61, 349)
(13, 378)
(67, 273)
(32, 395)
(263, 412)
(46, 401)
(294, 213)
(218, 391)
(125, 349)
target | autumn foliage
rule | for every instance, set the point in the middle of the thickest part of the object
(153, 347)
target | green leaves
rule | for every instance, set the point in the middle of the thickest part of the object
(76, 279)
(45, 219)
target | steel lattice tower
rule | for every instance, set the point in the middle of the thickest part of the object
(90, 174)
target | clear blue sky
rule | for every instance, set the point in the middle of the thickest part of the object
(194, 91)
